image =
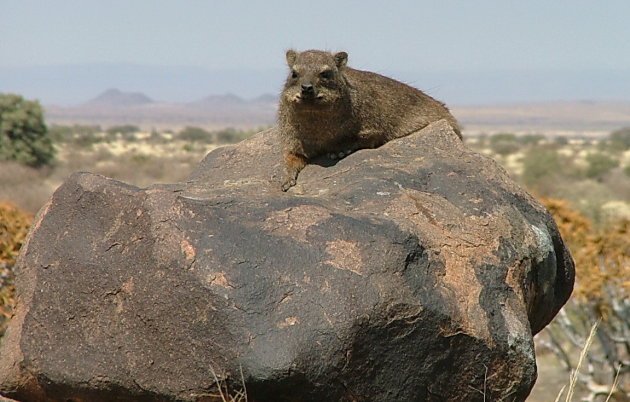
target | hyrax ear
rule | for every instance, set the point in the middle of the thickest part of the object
(341, 59)
(291, 56)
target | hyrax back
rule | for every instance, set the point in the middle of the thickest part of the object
(329, 108)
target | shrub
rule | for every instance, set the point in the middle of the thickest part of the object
(157, 138)
(531, 139)
(540, 163)
(195, 134)
(140, 158)
(231, 135)
(504, 144)
(620, 139)
(23, 135)
(599, 164)
(14, 225)
(124, 130)
(600, 299)
(561, 140)
(65, 134)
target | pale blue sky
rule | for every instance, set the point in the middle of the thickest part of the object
(402, 35)
(461, 51)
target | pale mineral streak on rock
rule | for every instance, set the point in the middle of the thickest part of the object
(294, 222)
(188, 249)
(345, 255)
(220, 279)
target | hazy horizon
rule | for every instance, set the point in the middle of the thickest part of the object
(462, 53)
(73, 85)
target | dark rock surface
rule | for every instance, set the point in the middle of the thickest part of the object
(416, 271)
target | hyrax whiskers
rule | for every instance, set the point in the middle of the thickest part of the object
(329, 108)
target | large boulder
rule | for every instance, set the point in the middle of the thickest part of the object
(418, 271)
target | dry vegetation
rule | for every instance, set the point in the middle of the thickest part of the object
(14, 225)
(602, 299)
(593, 175)
(122, 153)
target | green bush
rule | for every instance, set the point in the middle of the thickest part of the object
(126, 132)
(66, 134)
(23, 135)
(599, 164)
(140, 158)
(124, 129)
(60, 134)
(195, 134)
(531, 139)
(231, 135)
(561, 140)
(620, 139)
(539, 163)
(157, 138)
(504, 143)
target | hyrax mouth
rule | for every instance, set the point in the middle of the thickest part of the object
(308, 99)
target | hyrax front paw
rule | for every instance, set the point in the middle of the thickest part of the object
(288, 183)
(294, 163)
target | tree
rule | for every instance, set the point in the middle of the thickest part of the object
(23, 134)
(620, 139)
(195, 134)
(599, 164)
(504, 143)
(531, 139)
(540, 163)
(124, 129)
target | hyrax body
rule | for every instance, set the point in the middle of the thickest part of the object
(329, 108)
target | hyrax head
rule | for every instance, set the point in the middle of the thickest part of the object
(316, 78)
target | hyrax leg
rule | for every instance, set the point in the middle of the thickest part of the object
(364, 140)
(293, 163)
(368, 139)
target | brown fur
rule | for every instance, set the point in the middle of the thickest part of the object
(329, 108)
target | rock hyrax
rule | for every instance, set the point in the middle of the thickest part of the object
(329, 108)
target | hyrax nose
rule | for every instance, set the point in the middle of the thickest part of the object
(307, 88)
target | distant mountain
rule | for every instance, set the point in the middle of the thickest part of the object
(115, 107)
(71, 84)
(117, 98)
(266, 98)
(220, 100)
(550, 117)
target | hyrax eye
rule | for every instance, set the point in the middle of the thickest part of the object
(294, 74)
(327, 74)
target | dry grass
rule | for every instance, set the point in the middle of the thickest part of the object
(137, 163)
(225, 393)
(573, 380)
(576, 372)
